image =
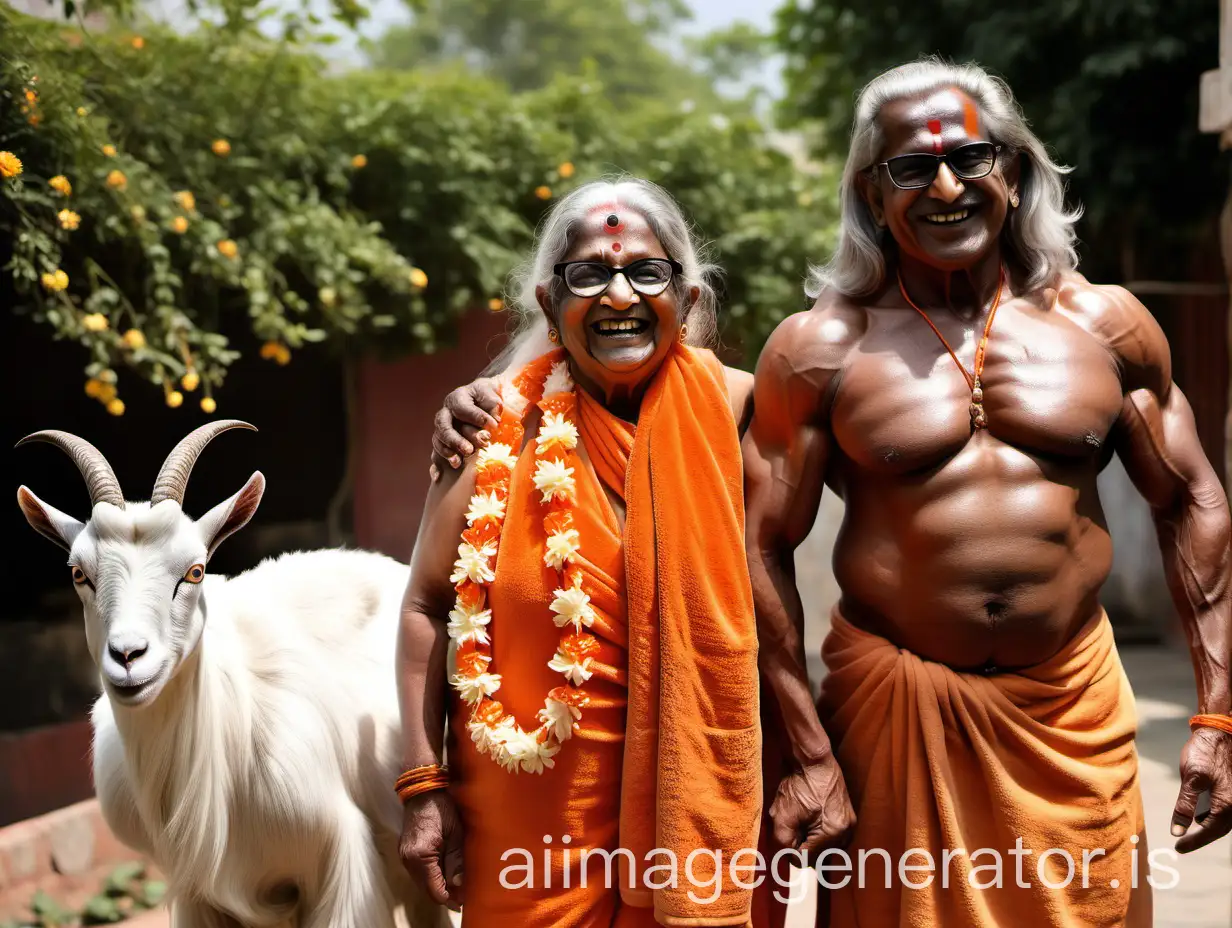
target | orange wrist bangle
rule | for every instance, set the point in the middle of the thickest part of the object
(420, 780)
(1222, 722)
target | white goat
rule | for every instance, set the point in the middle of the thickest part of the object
(248, 737)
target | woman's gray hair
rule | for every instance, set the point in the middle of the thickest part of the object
(556, 236)
(1039, 234)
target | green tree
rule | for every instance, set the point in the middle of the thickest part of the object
(1111, 86)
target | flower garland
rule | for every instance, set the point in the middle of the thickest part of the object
(547, 383)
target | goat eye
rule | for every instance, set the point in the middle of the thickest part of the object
(195, 574)
(79, 576)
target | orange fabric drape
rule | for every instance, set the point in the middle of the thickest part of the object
(960, 763)
(668, 753)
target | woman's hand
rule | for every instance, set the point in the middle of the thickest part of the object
(467, 410)
(811, 811)
(431, 846)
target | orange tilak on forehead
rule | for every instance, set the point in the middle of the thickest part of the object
(971, 119)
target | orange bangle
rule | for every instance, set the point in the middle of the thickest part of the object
(420, 780)
(1222, 722)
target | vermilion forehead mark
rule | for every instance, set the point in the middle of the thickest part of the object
(610, 219)
(971, 119)
(934, 126)
(615, 246)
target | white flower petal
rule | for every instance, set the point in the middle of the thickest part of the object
(572, 605)
(495, 453)
(575, 673)
(489, 506)
(553, 479)
(556, 430)
(467, 623)
(558, 380)
(473, 563)
(561, 548)
(473, 689)
(559, 718)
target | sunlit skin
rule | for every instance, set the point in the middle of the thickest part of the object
(615, 367)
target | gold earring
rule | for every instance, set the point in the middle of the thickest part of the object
(684, 332)
(1014, 199)
(553, 336)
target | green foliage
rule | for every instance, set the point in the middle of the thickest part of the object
(367, 209)
(1111, 86)
(125, 892)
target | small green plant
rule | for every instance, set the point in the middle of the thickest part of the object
(126, 891)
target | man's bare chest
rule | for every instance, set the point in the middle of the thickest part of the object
(902, 404)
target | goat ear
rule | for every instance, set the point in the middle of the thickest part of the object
(231, 515)
(48, 521)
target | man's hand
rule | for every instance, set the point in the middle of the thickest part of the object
(467, 410)
(1206, 764)
(431, 846)
(811, 811)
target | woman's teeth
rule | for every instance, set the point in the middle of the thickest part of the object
(943, 218)
(604, 326)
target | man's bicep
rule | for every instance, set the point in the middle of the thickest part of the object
(1159, 446)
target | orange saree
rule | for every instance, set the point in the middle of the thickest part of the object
(667, 752)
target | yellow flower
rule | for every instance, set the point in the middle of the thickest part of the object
(60, 184)
(106, 393)
(228, 248)
(543, 192)
(81, 111)
(138, 42)
(174, 399)
(117, 180)
(221, 147)
(138, 213)
(179, 225)
(116, 407)
(276, 351)
(68, 219)
(94, 388)
(359, 161)
(31, 97)
(95, 322)
(186, 200)
(190, 381)
(109, 151)
(328, 296)
(566, 169)
(10, 164)
(418, 278)
(496, 305)
(284, 355)
(55, 282)
(208, 405)
(134, 339)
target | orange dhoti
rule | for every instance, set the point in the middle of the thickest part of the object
(1009, 799)
(667, 750)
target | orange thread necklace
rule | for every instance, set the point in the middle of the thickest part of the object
(979, 418)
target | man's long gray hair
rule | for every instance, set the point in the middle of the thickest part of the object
(556, 236)
(1039, 234)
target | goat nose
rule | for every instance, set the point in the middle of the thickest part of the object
(127, 652)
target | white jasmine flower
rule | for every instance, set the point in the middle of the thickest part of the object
(515, 746)
(536, 760)
(576, 673)
(472, 563)
(473, 689)
(469, 623)
(490, 506)
(553, 479)
(488, 738)
(561, 548)
(556, 430)
(572, 605)
(496, 453)
(559, 380)
(512, 399)
(559, 717)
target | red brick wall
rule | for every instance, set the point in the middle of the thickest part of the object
(396, 403)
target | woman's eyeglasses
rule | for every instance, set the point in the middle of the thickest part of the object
(967, 162)
(649, 277)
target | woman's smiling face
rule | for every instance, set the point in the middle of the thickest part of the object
(617, 338)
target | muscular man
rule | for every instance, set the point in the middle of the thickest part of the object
(974, 695)
(960, 386)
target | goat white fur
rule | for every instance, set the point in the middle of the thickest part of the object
(249, 734)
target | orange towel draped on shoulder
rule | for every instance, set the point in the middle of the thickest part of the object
(952, 762)
(668, 752)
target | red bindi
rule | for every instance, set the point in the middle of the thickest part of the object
(613, 225)
(615, 246)
(934, 126)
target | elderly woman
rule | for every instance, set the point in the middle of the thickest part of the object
(579, 615)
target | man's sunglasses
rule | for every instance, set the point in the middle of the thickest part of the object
(967, 162)
(649, 277)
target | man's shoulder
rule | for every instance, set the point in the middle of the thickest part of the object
(1119, 320)
(819, 338)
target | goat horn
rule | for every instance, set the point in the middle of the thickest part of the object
(100, 478)
(173, 475)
